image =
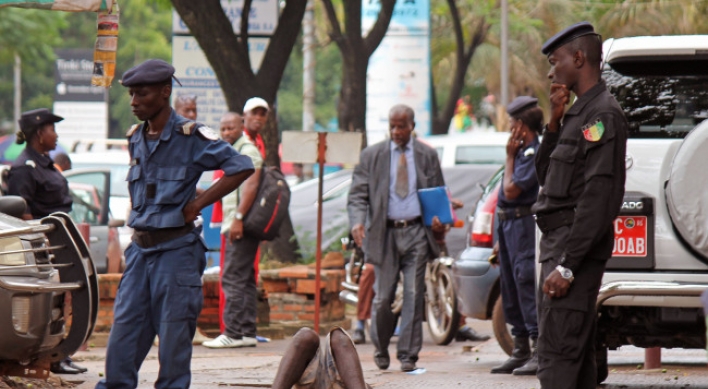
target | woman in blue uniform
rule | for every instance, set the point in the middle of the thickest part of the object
(34, 177)
(516, 231)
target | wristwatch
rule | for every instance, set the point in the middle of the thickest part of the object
(238, 216)
(565, 273)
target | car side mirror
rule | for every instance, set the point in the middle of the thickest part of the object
(116, 223)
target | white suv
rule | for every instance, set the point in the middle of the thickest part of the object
(651, 288)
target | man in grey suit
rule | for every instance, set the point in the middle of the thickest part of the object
(384, 197)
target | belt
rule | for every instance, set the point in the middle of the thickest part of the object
(403, 223)
(551, 221)
(151, 238)
(505, 214)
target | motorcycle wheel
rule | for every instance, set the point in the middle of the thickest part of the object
(441, 310)
(501, 330)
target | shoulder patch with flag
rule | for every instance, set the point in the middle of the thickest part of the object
(594, 132)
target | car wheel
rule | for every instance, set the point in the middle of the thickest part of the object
(441, 306)
(501, 330)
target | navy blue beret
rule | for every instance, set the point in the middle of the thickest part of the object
(570, 33)
(36, 117)
(520, 104)
(152, 71)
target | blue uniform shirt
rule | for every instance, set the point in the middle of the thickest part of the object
(34, 178)
(524, 176)
(163, 180)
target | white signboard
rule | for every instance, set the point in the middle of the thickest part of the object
(82, 121)
(262, 19)
(399, 69)
(197, 77)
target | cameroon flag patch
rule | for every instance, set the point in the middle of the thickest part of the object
(594, 132)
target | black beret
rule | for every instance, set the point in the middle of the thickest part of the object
(570, 33)
(520, 104)
(36, 117)
(152, 71)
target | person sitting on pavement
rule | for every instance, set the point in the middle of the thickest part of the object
(307, 364)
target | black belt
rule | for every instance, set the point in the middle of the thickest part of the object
(551, 221)
(505, 214)
(402, 223)
(151, 238)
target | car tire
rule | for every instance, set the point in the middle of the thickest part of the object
(501, 330)
(442, 315)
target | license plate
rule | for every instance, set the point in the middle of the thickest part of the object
(630, 236)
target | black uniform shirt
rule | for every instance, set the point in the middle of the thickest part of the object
(34, 178)
(582, 168)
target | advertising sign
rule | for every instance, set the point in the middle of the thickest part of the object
(83, 106)
(262, 18)
(399, 69)
(61, 5)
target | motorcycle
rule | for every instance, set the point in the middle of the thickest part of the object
(440, 300)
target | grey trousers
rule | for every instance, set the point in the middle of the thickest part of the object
(406, 253)
(238, 281)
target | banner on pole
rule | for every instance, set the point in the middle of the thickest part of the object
(61, 5)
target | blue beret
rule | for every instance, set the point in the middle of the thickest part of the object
(520, 104)
(152, 71)
(36, 117)
(570, 33)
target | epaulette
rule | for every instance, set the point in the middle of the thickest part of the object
(207, 133)
(188, 128)
(132, 130)
(30, 162)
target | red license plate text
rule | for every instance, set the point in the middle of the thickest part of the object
(630, 236)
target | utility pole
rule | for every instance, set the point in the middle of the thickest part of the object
(18, 90)
(504, 53)
(308, 64)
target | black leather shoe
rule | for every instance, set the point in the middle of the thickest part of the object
(382, 360)
(62, 367)
(407, 366)
(467, 333)
(359, 337)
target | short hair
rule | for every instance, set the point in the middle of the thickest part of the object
(532, 117)
(185, 98)
(590, 45)
(404, 109)
(62, 159)
(231, 114)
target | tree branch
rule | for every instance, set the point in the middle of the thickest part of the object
(378, 31)
(245, 12)
(335, 32)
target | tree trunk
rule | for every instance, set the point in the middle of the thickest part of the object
(352, 102)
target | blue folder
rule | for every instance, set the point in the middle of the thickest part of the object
(435, 202)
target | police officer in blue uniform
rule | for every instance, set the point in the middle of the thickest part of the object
(161, 289)
(581, 170)
(33, 175)
(516, 231)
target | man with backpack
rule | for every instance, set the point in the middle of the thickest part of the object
(238, 279)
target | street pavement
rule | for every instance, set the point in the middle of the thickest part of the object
(452, 366)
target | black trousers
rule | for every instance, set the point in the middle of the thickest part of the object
(238, 281)
(567, 326)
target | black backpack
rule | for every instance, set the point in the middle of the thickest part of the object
(270, 207)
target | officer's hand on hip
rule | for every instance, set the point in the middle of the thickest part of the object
(236, 230)
(190, 212)
(555, 285)
(358, 234)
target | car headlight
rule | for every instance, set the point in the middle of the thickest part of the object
(7, 256)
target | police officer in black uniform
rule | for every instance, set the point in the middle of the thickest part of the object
(580, 166)
(33, 175)
(161, 289)
(516, 231)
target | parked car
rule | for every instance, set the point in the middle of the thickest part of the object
(470, 148)
(650, 291)
(42, 260)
